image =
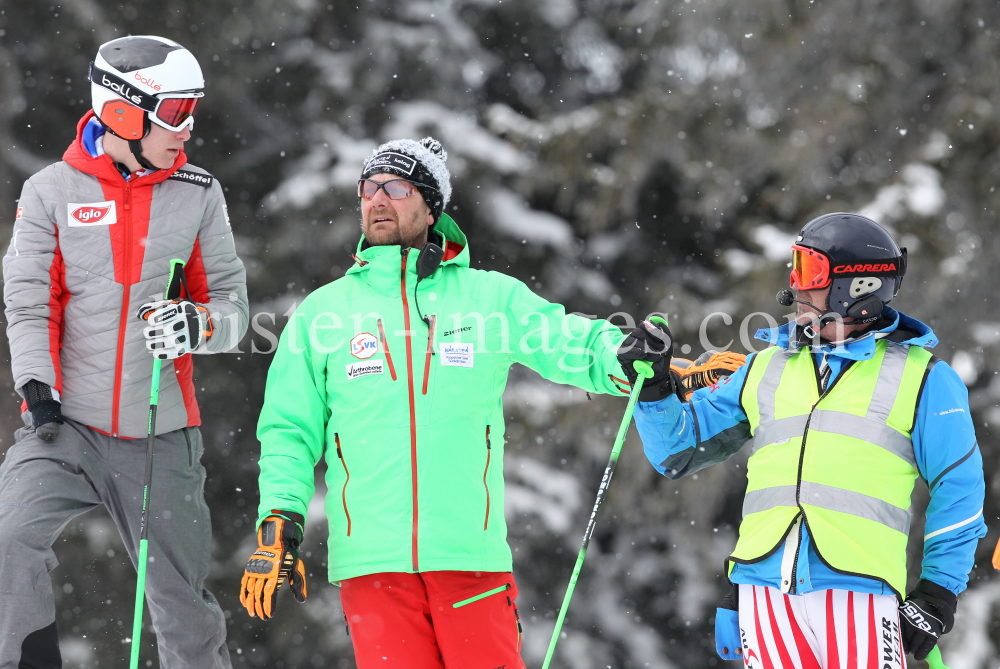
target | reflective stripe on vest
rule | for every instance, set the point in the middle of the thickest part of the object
(828, 497)
(843, 458)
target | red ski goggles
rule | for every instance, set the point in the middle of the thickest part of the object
(810, 269)
(173, 113)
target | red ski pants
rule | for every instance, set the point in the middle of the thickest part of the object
(433, 620)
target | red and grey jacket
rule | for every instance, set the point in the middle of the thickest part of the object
(88, 249)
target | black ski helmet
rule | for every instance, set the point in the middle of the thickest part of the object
(866, 266)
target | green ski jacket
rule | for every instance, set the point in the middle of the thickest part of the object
(409, 411)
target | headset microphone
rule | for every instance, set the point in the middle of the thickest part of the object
(785, 299)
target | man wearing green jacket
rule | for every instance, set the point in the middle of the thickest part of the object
(396, 372)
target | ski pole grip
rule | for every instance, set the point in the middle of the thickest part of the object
(643, 368)
(175, 280)
(934, 659)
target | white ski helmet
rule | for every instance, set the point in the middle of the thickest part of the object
(141, 79)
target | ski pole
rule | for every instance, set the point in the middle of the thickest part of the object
(176, 278)
(934, 659)
(644, 370)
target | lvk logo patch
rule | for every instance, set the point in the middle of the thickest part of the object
(364, 346)
(356, 370)
(96, 213)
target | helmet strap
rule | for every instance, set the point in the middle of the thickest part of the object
(135, 145)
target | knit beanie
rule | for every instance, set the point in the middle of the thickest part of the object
(420, 162)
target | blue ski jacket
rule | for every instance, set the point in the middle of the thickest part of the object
(683, 438)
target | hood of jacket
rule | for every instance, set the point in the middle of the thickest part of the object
(902, 330)
(103, 167)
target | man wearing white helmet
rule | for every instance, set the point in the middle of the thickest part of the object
(93, 238)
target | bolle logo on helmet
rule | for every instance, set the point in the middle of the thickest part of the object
(865, 267)
(96, 213)
(147, 81)
(120, 89)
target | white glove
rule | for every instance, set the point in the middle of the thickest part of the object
(176, 327)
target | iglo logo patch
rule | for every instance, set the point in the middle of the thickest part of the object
(364, 346)
(95, 213)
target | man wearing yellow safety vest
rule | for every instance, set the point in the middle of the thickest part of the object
(843, 412)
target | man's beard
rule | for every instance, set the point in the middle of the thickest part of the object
(393, 236)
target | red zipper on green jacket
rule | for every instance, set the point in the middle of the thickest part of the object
(343, 494)
(413, 405)
(486, 471)
(123, 321)
(385, 347)
(430, 349)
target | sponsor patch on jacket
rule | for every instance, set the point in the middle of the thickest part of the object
(95, 213)
(196, 178)
(356, 370)
(364, 346)
(456, 355)
(20, 211)
(391, 159)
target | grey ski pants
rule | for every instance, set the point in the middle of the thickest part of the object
(43, 486)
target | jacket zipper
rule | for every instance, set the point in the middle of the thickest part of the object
(795, 564)
(486, 471)
(413, 406)
(430, 349)
(123, 321)
(385, 347)
(343, 493)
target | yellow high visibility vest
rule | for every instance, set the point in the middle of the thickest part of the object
(843, 459)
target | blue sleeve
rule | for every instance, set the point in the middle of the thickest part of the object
(682, 438)
(944, 443)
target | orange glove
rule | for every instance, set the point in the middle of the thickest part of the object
(996, 556)
(276, 559)
(707, 370)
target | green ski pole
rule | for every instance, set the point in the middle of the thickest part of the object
(644, 370)
(174, 282)
(934, 659)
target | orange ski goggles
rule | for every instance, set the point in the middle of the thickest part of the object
(810, 269)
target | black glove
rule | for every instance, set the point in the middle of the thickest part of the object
(652, 342)
(927, 613)
(46, 411)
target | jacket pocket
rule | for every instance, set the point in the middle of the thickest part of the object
(483, 595)
(385, 347)
(187, 440)
(343, 492)
(486, 472)
(430, 350)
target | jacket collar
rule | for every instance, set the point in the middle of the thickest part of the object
(103, 167)
(903, 330)
(380, 266)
